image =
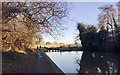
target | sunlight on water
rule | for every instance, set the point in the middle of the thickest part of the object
(66, 61)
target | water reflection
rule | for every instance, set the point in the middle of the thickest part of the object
(87, 62)
(99, 62)
(66, 60)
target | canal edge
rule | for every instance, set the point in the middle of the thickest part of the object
(54, 65)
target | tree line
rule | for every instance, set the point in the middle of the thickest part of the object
(106, 36)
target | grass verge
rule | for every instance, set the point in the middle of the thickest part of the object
(14, 62)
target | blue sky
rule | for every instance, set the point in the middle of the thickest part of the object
(85, 12)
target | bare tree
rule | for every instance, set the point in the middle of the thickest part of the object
(107, 17)
(25, 19)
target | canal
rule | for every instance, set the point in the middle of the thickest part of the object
(86, 61)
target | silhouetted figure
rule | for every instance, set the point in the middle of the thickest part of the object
(40, 46)
(37, 47)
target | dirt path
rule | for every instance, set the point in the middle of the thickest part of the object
(44, 65)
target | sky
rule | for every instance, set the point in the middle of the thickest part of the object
(85, 12)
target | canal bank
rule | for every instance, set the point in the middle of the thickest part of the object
(43, 64)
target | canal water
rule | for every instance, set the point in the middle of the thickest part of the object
(66, 61)
(86, 62)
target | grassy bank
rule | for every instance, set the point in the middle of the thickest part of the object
(14, 62)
